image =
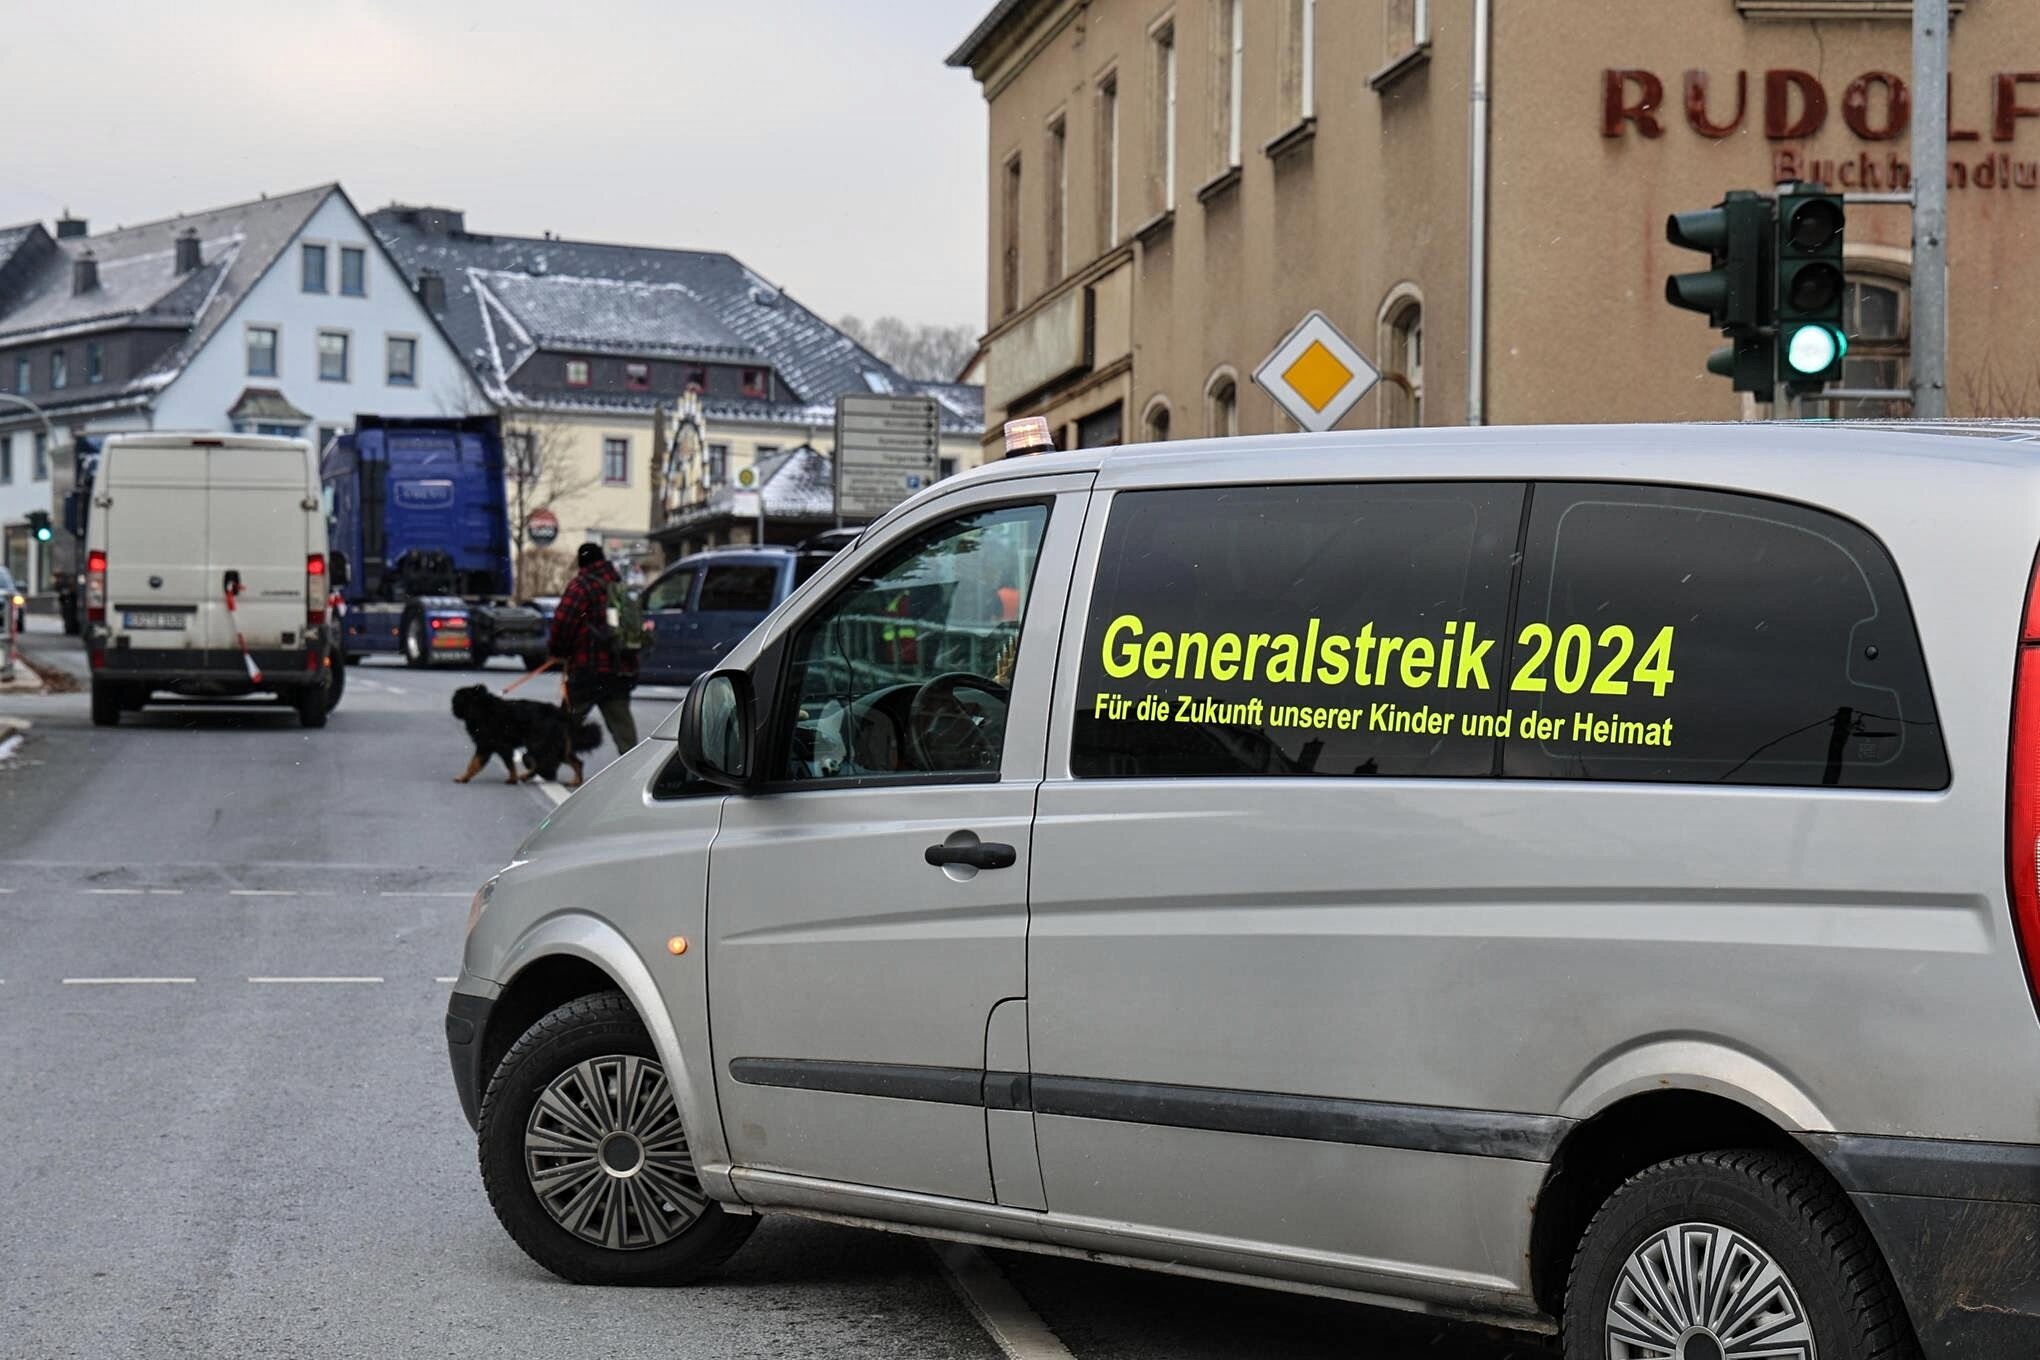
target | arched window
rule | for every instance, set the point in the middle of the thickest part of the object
(1402, 357)
(1877, 315)
(1222, 399)
(1155, 424)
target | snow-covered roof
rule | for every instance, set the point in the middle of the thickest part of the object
(616, 299)
(797, 483)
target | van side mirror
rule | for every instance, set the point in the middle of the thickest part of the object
(340, 574)
(715, 729)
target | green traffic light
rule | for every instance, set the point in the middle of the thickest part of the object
(42, 535)
(1815, 349)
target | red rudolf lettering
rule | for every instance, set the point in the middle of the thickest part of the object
(1779, 125)
(1897, 107)
(1696, 105)
(1616, 108)
(2006, 109)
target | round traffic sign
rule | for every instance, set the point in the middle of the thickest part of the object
(543, 526)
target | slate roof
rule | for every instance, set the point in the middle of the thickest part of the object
(139, 285)
(645, 300)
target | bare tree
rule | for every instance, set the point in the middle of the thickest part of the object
(544, 473)
(925, 353)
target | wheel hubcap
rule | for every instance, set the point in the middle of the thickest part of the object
(607, 1157)
(1699, 1291)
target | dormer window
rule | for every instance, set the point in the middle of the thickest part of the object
(637, 377)
(754, 382)
(577, 372)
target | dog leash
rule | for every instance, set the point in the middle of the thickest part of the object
(531, 674)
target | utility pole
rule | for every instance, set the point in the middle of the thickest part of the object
(1930, 210)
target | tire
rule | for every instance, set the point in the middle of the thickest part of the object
(356, 658)
(336, 679)
(106, 703)
(596, 1037)
(310, 703)
(417, 649)
(478, 657)
(1758, 1210)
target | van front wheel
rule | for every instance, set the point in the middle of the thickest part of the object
(585, 1158)
(1730, 1254)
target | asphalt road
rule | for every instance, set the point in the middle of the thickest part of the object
(242, 1161)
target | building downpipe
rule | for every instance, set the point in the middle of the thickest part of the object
(1477, 216)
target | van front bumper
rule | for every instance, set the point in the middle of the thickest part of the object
(467, 1020)
(1959, 1224)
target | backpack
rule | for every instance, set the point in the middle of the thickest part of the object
(624, 618)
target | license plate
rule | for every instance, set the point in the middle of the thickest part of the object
(151, 618)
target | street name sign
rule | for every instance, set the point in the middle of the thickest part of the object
(1316, 374)
(887, 448)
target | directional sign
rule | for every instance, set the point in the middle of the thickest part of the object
(1316, 374)
(543, 526)
(887, 448)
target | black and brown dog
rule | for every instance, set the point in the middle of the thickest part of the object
(502, 727)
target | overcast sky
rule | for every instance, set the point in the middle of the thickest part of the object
(823, 142)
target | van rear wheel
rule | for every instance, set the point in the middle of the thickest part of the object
(586, 1161)
(312, 703)
(107, 700)
(1730, 1254)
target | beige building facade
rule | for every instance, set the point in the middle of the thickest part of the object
(1175, 184)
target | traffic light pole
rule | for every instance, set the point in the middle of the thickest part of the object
(1930, 210)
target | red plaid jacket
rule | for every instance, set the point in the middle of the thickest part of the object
(593, 671)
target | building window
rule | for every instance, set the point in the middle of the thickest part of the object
(697, 377)
(60, 370)
(353, 272)
(577, 372)
(615, 462)
(1409, 25)
(1009, 218)
(1108, 162)
(718, 464)
(1155, 426)
(1164, 121)
(262, 351)
(946, 468)
(6, 460)
(314, 262)
(279, 431)
(1228, 44)
(1058, 184)
(400, 361)
(637, 377)
(95, 362)
(42, 456)
(332, 356)
(22, 369)
(1224, 398)
(1877, 316)
(1299, 61)
(755, 382)
(327, 434)
(1402, 348)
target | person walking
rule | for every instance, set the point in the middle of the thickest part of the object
(588, 639)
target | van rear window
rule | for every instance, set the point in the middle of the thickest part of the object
(1669, 634)
(1350, 629)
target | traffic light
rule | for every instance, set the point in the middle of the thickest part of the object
(1810, 286)
(1735, 292)
(39, 525)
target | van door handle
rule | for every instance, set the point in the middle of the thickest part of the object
(976, 855)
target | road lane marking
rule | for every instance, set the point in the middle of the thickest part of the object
(451, 979)
(557, 792)
(124, 981)
(315, 979)
(166, 892)
(462, 895)
(1013, 1326)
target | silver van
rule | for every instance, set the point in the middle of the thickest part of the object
(1579, 879)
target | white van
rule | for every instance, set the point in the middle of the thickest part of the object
(206, 573)
(1572, 878)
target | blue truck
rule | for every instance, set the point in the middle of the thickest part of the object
(419, 535)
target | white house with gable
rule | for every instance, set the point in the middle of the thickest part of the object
(280, 316)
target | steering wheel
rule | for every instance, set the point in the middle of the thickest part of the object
(944, 734)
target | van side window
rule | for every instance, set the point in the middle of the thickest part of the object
(1349, 629)
(1692, 636)
(905, 672)
(670, 591)
(749, 589)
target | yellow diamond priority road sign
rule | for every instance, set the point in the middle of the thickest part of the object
(1316, 374)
